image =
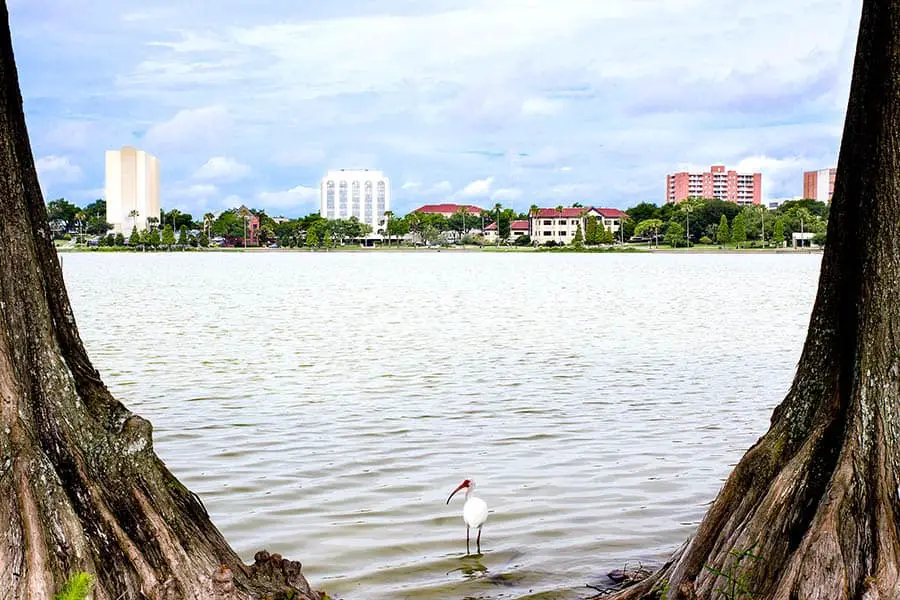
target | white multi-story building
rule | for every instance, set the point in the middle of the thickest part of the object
(132, 189)
(359, 193)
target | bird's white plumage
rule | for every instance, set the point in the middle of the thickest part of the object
(475, 512)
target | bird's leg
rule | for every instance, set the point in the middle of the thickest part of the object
(467, 540)
(478, 541)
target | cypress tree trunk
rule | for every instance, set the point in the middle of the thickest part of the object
(816, 498)
(81, 488)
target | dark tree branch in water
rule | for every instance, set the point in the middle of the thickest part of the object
(817, 496)
(82, 488)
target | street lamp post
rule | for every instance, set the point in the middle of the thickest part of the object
(762, 226)
(688, 228)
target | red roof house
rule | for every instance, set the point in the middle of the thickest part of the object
(612, 213)
(565, 213)
(515, 227)
(448, 210)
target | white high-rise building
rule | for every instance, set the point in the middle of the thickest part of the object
(132, 189)
(359, 193)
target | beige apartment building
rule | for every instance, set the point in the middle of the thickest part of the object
(132, 189)
(560, 225)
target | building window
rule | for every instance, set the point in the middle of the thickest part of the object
(548, 222)
(368, 202)
(329, 198)
(354, 199)
(382, 195)
(548, 233)
(342, 198)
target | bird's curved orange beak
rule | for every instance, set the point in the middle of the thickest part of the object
(464, 484)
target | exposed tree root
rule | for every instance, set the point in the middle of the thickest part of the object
(81, 488)
(817, 497)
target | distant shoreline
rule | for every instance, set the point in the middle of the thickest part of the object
(466, 249)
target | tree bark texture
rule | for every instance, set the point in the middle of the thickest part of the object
(816, 498)
(81, 488)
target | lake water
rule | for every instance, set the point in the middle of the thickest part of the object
(325, 405)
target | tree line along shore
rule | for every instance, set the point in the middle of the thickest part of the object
(696, 222)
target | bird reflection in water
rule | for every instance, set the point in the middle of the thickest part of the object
(471, 567)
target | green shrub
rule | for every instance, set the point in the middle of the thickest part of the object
(705, 240)
(77, 587)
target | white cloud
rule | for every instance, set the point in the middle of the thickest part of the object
(299, 156)
(73, 135)
(506, 195)
(232, 201)
(299, 196)
(440, 188)
(541, 107)
(418, 87)
(777, 173)
(57, 169)
(547, 156)
(761, 164)
(195, 191)
(571, 192)
(190, 127)
(479, 187)
(222, 168)
(411, 185)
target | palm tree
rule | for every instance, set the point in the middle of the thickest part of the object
(415, 224)
(244, 217)
(388, 215)
(208, 218)
(687, 207)
(462, 213)
(134, 214)
(79, 218)
(532, 215)
(559, 213)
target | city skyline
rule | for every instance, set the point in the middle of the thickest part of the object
(550, 109)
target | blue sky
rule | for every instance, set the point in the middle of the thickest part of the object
(519, 101)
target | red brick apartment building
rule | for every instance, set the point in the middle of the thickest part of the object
(819, 185)
(731, 186)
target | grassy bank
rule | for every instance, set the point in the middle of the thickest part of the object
(628, 249)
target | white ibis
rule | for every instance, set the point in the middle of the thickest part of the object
(475, 512)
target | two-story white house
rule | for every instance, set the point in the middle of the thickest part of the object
(610, 217)
(556, 225)
(516, 229)
(560, 225)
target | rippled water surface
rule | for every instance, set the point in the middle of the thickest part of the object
(325, 405)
